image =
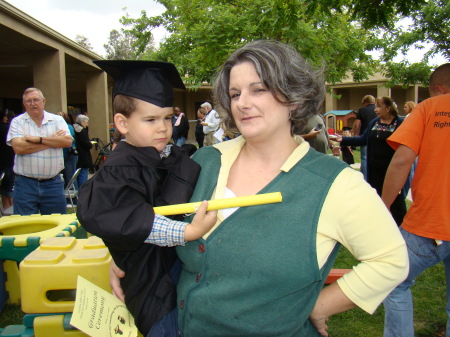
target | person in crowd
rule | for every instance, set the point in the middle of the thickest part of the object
(347, 153)
(6, 160)
(144, 171)
(408, 107)
(379, 153)
(70, 153)
(199, 135)
(363, 117)
(425, 134)
(117, 137)
(260, 271)
(316, 134)
(211, 124)
(38, 138)
(84, 146)
(180, 127)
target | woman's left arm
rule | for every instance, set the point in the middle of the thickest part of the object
(332, 300)
(365, 227)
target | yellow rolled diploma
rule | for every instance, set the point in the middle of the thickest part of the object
(252, 200)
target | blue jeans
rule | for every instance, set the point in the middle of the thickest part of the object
(33, 197)
(422, 253)
(180, 141)
(70, 166)
(363, 167)
(166, 326)
(82, 177)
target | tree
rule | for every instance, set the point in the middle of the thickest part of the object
(370, 13)
(83, 41)
(429, 27)
(204, 33)
(122, 46)
(337, 34)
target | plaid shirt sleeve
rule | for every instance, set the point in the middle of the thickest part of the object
(166, 232)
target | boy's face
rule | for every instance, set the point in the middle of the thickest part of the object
(346, 133)
(148, 125)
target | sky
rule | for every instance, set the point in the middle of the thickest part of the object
(93, 19)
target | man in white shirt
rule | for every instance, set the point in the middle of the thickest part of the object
(38, 138)
(211, 124)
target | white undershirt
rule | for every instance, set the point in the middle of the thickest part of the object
(228, 211)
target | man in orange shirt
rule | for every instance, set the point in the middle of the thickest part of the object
(426, 226)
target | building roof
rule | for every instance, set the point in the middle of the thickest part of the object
(339, 112)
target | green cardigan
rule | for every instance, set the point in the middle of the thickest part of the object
(257, 273)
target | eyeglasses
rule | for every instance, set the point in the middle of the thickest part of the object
(33, 101)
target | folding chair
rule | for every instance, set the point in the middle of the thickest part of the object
(71, 190)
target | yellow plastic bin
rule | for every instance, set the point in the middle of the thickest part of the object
(49, 274)
(20, 235)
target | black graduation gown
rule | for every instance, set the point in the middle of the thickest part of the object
(117, 205)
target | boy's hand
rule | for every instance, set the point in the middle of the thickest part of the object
(203, 221)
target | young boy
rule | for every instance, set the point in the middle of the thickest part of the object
(347, 153)
(143, 172)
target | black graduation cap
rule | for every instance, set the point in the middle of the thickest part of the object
(150, 81)
(346, 128)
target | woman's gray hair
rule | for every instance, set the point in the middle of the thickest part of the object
(290, 78)
(81, 118)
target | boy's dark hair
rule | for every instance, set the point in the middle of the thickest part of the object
(124, 105)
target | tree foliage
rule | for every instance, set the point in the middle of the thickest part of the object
(122, 45)
(404, 27)
(83, 41)
(370, 13)
(336, 34)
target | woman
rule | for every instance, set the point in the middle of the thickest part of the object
(199, 135)
(408, 107)
(84, 147)
(379, 153)
(6, 161)
(70, 153)
(180, 127)
(260, 271)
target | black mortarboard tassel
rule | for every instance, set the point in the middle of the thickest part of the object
(150, 81)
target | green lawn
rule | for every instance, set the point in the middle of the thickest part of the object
(429, 307)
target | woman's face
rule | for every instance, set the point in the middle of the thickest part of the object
(406, 109)
(258, 115)
(382, 111)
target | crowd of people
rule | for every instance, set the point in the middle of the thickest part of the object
(258, 270)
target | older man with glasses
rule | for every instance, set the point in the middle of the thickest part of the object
(38, 138)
